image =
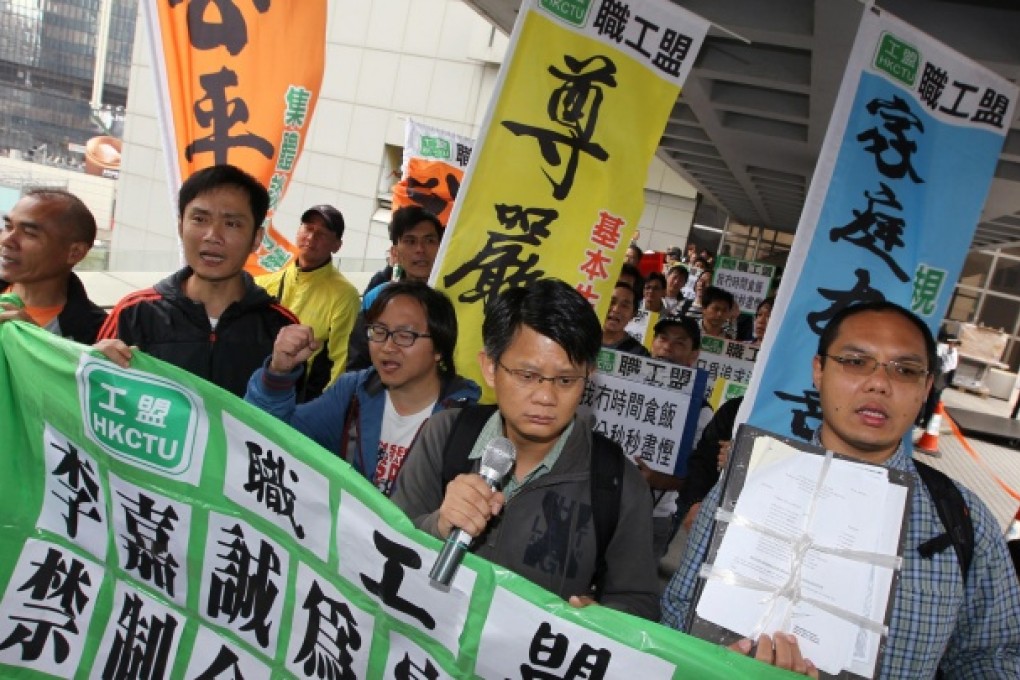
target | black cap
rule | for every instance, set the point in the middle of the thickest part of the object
(689, 325)
(675, 253)
(333, 218)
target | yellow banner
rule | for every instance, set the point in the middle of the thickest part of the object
(238, 84)
(556, 184)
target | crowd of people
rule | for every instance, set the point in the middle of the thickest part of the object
(372, 379)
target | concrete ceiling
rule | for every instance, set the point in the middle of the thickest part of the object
(749, 126)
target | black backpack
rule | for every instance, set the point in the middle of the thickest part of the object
(955, 516)
(606, 477)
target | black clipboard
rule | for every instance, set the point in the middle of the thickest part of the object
(734, 478)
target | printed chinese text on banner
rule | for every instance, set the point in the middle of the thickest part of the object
(896, 196)
(152, 521)
(647, 406)
(432, 169)
(555, 184)
(238, 86)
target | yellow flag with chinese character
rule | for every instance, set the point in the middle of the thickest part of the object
(238, 85)
(555, 187)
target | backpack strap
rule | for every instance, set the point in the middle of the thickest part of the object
(466, 427)
(607, 463)
(955, 515)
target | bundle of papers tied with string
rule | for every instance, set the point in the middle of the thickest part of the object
(805, 542)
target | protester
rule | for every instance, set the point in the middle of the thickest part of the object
(415, 234)
(541, 344)
(45, 234)
(209, 317)
(678, 341)
(632, 276)
(370, 418)
(633, 255)
(717, 307)
(674, 301)
(873, 371)
(321, 297)
(621, 310)
(762, 315)
(655, 289)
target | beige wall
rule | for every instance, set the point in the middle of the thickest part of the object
(386, 60)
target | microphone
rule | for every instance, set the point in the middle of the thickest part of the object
(497, 459)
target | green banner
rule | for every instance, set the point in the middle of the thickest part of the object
(155, 526)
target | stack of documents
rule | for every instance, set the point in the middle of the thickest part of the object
(806, 542)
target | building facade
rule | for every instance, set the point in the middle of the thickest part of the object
(64, 70)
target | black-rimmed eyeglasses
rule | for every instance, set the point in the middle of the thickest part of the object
(402, 337)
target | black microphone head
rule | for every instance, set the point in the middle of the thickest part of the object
(498, 456)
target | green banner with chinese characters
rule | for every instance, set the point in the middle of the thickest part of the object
(155, 526)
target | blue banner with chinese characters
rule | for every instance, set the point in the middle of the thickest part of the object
(896, 196)
(154, 526)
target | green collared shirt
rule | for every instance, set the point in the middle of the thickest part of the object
(494, 428)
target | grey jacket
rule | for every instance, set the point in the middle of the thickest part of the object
(544, 532)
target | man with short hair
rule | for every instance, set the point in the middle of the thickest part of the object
(678, 341)
(716, 310)
(655, 289)
(621, 311)
(873, 372)
(208, 318)
(674, 301)
(321, 297)
(541, 344)
(415, 234)
(45, 234)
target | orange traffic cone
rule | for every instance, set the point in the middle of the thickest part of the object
(929, 441)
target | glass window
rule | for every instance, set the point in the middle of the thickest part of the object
(1012, 356)
(975, 269)
(1006, 277)
(962, 305)
(1000, 313)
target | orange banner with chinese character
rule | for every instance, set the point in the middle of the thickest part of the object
(237, 82)
(555, 187)
(432, 169)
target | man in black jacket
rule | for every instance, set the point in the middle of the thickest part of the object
(208, 318)
(45, 234)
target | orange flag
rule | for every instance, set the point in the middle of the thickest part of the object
(237, 82)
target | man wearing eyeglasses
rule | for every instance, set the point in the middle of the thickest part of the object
(415, 234)
(541, 342)
(371, 417)
(873, 372)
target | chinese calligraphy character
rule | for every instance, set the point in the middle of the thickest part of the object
(79, 480)
(927, 286)
(549, 650)
(243, 585)
(812, 403)
(219, 114)
(611, 19)
(397, 557)
(56, 596)
(267, 478)
(861, 292)
(887, 228)
(230, 32)
(148, 540)
(574, 105)
(332, 632)
(141, 648)
(898, 120)
(500, 263)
